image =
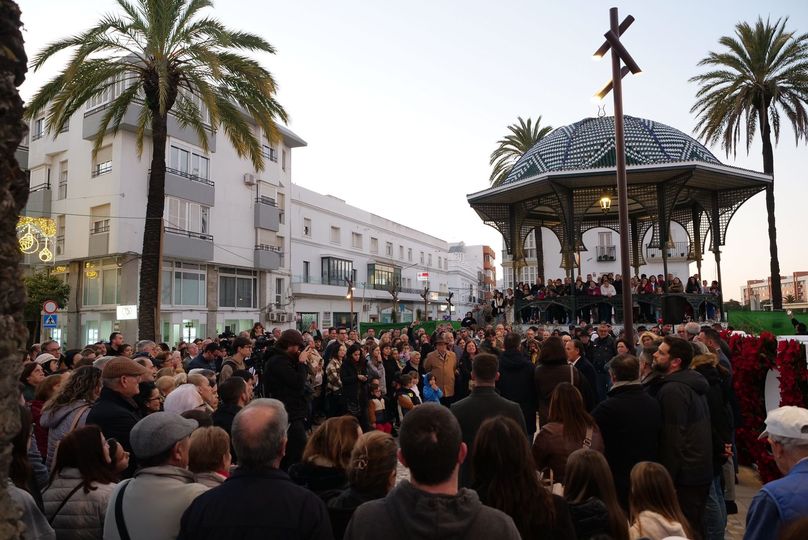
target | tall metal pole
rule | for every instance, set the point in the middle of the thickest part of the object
(622, 183)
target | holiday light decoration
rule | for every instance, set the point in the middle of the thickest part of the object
(35, 236)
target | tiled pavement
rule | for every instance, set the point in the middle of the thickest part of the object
(736, 524)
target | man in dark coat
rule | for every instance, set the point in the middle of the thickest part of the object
(575, 356)
(685, 445)
(483, 403)
(234, 395)
(601, 350)
(515, 381)
(630, 422)
(286, 381)
(115, 411)
(258, 500)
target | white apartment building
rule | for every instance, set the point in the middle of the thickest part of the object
(466, 277)
(333, 242)
(602, 256)
(226, 239)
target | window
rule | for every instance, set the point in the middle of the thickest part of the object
(112, 88)
(401, 252)
(283, 159)
(605, 239)
(336, 271)
(422, 257)
(335, 235)
(190, 164)
(409, 254)
(374, 245)
(440, 261)
(388, 249)
(102, 163)
(60, 235)
(184, 284)
(39, 129)
(306, 272)
(530, 246)
(381, 276)
(186, 216)
(279, 291)
(99, 219)
(356, 240)
(62, 192)
(429, 260)
(446, 264)
(282, 207)
(101, 282)
(307, 227)
(238, 288)
(269, 153)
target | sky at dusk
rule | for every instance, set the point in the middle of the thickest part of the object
(401, 103)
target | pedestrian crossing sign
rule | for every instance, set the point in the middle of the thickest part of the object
(49, 320)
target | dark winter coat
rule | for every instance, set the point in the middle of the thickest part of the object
(718, 401)
(630, 422)
(685, 446)
(286, 381)
(516, 383)
(353, 390)
(591, 518)
(325, 482)
(548, 376)
(116, 415)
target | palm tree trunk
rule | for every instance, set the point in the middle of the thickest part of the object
(151, 259)
(768, 168)
(13, 196)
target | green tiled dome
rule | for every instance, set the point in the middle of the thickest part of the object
(589, 144)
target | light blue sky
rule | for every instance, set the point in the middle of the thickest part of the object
(402, 102)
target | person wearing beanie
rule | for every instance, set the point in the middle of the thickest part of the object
(150, 505)
(115, 411)
(287, 372)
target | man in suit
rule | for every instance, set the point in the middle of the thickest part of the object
(483, 403)
(575, 356)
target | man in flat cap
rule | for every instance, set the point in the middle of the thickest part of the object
(150, 505)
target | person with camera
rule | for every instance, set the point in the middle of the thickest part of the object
(242, 349)
(286, 376)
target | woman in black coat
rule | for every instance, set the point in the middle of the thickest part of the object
(354, 385)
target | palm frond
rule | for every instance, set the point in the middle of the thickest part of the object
(522, 137)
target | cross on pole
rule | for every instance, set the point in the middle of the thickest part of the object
(619, 56)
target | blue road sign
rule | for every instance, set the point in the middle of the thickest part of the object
(49, 321)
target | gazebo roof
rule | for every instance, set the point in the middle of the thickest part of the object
(589, 144)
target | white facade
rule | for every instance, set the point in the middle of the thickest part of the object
(602, 256)
(466, 277)
(333, 241)
(226, 228)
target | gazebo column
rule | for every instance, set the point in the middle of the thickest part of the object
(635, 246)
(715, 233)
(697, 237)
(539, 251)
(662, 217)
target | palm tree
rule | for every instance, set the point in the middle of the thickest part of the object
(14, 190)
(760, 76)
(163, 56)
(523, 136)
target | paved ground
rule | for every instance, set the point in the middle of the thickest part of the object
(736, 524)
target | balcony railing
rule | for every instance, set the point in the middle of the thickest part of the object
(265, 247)
(101, 168)
(189, 234)
(272, 155)
(39, 187)
(37, 135)
(99, 229)
(606, 253)
(189, 176)
(269, 201)
(675, 251)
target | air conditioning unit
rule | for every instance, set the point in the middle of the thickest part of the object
(282, 317)
(249, 179)
(273, 317)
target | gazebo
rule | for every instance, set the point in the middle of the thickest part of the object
(566, 183)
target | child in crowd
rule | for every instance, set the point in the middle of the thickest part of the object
(377, 411)
(407, 395)
(431, 390)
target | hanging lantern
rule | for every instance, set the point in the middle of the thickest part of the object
(606, 201)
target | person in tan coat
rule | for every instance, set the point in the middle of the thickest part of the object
(443, 364)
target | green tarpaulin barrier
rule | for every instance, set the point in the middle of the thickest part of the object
(429, 326)
(755, 322)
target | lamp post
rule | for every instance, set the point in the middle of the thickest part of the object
(620, 55)
(350, 296)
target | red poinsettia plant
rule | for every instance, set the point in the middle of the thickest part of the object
(752, 358)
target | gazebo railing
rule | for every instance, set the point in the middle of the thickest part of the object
(580, 305)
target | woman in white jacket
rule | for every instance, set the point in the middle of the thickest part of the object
(81, 484)
(654, 508)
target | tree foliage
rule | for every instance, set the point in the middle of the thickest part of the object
(522, 137)
(41, 286)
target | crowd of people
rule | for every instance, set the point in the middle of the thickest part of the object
(509, 306)
(551, 434)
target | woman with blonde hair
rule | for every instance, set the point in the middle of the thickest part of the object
(653, 506)
(326, 456)
(371, 474)
(209, 456)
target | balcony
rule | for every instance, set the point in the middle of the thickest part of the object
(39, 200)
(676, 251)
(92, 122)
(190, 187)
(606, 253)
(99, 241)
(186, 245)
(21, 155)
(272, 155)
(267, 214)
(101, 168)
(268, 257)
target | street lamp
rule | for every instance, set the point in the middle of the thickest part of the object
(606, 201)
(350, 296)
(620, 55)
